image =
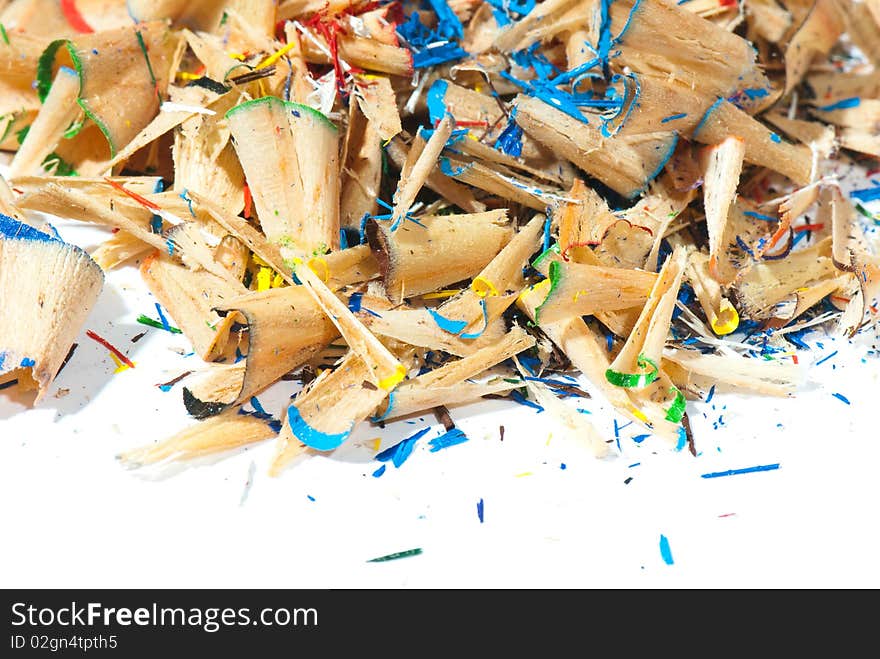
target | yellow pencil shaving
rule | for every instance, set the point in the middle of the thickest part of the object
(525, 473)
(277, 55)
(264, 279)
(377, 442)
(322, 269)
(185, 75)
(446, 292)
(393, 380)
(541, 288)
(727, 319)
(483, 287)
(237, 56)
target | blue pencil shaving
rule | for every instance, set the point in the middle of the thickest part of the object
(507, 11)
(706, 116)
(189, 202)
(430, 47)
(799, 236)
(255, 403)
(665, 551)
(313, 437)
(841, 397)
(531, 364)
(522, 400)
(510, 140)
(447, 168)
(480, 510)
(379, 472)
(457, 135)
(547, 224)
(447, 324)
(447, 439)
(794, 338)
(673, 117)
(435, 100)
(638, 439)
(775, 138)
(744, 470)
(867, 194)
(399, 453)
(162, 318)
(15, 230)
(742, 245)
(448, 24)
(479, 332)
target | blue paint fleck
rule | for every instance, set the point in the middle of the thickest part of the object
(825, 359)
(760, 216)
(399, 453)
(841, 397)
(480, 510)
(447, 439)
(379, 472)
(745, 470)
(665, 551)
(844, 104)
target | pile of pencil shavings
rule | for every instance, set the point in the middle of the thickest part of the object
(465, 198)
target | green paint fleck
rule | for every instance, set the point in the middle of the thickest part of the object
(396, 555)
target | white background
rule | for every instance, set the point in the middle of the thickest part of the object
(72, 516)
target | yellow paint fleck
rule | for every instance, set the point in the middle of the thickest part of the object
(264, 279)
(120, 366)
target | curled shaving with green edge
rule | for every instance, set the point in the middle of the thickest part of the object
(290, 105)
(634, 380)
(676, 410)
(47, 62)
(555, 275)
(554, 249)
(44, 83)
